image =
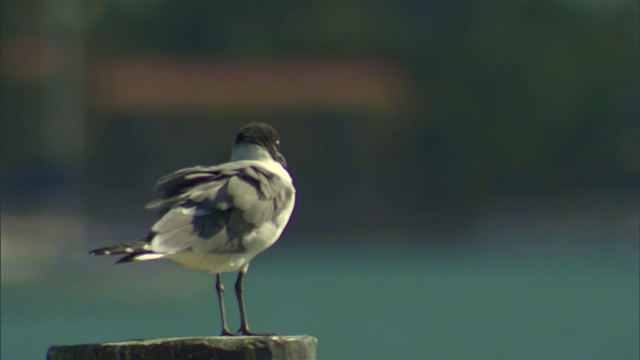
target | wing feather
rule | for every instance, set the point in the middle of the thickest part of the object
(172, 241)
(211, 209)
(259, 212)
(243, 193)
(174, 219)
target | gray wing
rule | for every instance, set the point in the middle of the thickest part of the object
(209, 209)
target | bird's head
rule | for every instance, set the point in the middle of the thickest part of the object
(263, 136)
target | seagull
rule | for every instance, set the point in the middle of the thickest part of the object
(219, 218)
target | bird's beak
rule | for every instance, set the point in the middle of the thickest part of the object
(280, 158)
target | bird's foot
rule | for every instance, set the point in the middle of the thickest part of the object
(227, 332)
(248, 332)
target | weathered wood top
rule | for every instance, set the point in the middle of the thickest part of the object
(301, 347)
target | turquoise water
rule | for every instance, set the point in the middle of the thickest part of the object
(410, 302)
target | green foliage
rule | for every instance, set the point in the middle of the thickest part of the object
(507, 97)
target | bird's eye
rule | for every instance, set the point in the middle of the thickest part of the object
(277, 143)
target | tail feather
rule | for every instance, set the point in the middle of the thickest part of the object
(136, 251)
(124, 248)
(145, 256)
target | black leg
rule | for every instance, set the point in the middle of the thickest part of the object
(244, 325)
(223, 316)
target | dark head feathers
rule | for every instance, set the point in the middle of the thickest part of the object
(260, 134)
(263, 135)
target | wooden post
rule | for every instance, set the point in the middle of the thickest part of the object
(215, 347)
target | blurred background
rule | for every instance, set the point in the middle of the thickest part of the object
(467, 171)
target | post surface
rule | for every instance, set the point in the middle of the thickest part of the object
(301, 347)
